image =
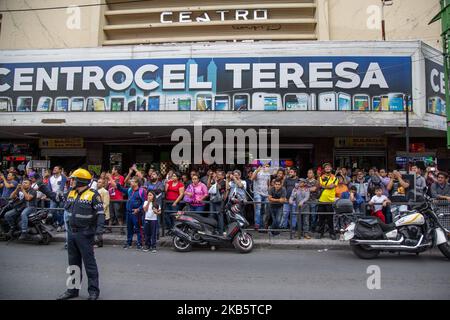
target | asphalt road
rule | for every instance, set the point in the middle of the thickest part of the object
(38, 272)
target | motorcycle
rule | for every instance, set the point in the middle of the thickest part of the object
(192, 228)
(412, 231)
(38, 231)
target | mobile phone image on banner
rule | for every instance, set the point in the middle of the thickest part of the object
(203, 101)
(344, 102)
(44, 104)
(266, 101)
(24, 104)
(361, 102)
(396, 101)
(95, 104)
(384, 103)
(184, 103)
(154, 103)
(327, 101)
(117, 103)
(131, 105)
(222, 102)
(77, 104)
(141, 103)
(296, 101)
(241, 101)
(62, 104)
(376, 103)
(5, 104)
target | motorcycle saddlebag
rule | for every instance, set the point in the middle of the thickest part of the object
(368, 229)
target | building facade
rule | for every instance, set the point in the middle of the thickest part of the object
(107, 83)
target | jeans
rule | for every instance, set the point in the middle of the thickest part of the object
(10, 217)
(133, 226)
(197, 209)
(80, 248)
(258, 215)
(59, 216)
(218, 215)
(25, 213)
(388, 214)
(277, 214)
(150, 231)
(326, 218)
(168, 218)
(303, 219)
(115, 212)
(311, 208)
(288, 210)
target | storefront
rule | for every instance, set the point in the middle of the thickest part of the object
(16, 154)
(68, 153)
(360, 152)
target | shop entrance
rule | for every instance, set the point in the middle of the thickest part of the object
(359, 158)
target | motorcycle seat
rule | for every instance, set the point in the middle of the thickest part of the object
(209, 221)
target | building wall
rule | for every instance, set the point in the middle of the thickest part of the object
(140, 22)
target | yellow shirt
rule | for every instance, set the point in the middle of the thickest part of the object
(104, 194)
(328, 195)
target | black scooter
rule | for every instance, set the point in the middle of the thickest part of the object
(192, 228)
(38, 231)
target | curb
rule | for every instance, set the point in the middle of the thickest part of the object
(258, 244)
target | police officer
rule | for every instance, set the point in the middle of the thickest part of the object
(84, 209)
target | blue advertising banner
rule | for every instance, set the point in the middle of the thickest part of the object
(344, 83)
(435, 88)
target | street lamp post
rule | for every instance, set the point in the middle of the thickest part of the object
(383, 28)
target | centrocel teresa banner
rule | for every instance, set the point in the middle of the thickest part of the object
(435, 88)
(345, 83)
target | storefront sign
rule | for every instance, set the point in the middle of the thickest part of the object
(218, 15)
(69, 143)
(359, 142)
(435, 88)
(337, 83)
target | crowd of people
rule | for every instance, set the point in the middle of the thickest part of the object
(275, 199)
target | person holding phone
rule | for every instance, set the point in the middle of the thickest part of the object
(261, 184)
(328, 183)
(152, 210)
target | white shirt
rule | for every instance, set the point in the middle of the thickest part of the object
(54, 183)
(39, 195)
(149, 214)
(378, 201)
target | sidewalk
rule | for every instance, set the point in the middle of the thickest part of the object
(261, 240)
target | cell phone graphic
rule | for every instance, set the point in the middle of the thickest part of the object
(154, 102)
(131, 104)
(141, 103)
(5, 104)
(44, 104)
(376, 103)
(222, 102)
(396, 101)
(181, 102)
(266, 101)
(203, 101)
(62, 104)
(117, 103)
(327, 101)
(344, 101)
(77, 104)
(241, 101)
(24, 104)
(296, 101)
(384, 103)
(95, 104)
(313, 101)
(361, 102)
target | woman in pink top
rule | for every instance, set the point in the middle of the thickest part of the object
(196, 192)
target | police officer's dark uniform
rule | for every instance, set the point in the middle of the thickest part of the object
(84, 211)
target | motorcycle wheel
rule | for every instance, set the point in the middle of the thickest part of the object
(45, 239)
(445, 249)
(243, 242)
(181, 245)
(362, 253)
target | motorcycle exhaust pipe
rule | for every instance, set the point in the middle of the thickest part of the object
(378, 242)
(183, 235)
(403, 248)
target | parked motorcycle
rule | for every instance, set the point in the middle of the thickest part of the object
(38, 231)
(414, 231)
(192, 228)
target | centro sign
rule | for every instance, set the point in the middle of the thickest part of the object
(219, 15)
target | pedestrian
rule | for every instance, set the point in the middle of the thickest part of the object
(440, 189)
(328, 183)
(194, 195)
(174, 190)
(421, 183)
(379, 202)
(261, 183)
(361, 185)
(217, 194)
(277, 197)
(311, 205)
(299, 197)
(85, 212)
(104, 194)
(116, 197)
(134, 205)
(56, 184)
(288, 208)
(151, 212)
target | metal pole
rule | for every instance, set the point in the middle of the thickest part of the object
(407, 132)
(383, 29)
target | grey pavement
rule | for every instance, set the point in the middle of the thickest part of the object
(31, 271)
